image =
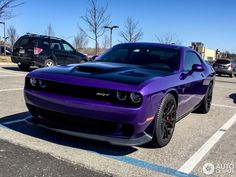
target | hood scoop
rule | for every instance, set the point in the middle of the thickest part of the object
(90, 69)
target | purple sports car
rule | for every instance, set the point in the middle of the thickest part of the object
(132, 94)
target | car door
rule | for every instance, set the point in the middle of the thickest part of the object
(193, 88)
(57, 52)
(71, 54)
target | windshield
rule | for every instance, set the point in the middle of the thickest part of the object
(150, 57)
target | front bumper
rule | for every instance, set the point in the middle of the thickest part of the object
(78, 109)
(112, 140)
(36, 60)
(22, 60)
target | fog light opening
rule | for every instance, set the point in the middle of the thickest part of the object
(118, 130)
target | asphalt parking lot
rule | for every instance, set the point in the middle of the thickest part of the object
(201, 145)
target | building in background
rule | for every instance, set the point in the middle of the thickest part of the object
(207, 54)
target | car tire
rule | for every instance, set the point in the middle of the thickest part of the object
(24, 67)
(49, 63)
(206, 102)
(165, 120)
(219, 74)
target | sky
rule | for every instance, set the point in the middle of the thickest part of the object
(212, 22)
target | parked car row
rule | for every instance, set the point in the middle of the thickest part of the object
(44, 51)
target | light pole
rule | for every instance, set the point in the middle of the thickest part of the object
(4, 37)
(111, 28)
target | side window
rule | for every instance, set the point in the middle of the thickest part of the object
(191, 58)
(67, 47)
(45, 44)
(55, 45)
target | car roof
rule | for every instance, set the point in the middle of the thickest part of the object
(41, 36)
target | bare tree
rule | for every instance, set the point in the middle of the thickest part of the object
(168, 38)
(6, 7)
(105, 42)
(131, 32)
(11, 32)
(80, 40)
(49, 30)
(96, 18)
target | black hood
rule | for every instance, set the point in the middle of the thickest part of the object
(124, 73)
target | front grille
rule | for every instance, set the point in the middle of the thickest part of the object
(76, 91)
(81, 124)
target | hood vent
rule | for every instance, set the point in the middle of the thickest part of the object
(89, 69)
(133, 73)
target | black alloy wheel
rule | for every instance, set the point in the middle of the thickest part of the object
(165, 121)
(206, 102)
(209, 96)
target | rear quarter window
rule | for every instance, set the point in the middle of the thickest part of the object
(46, 44)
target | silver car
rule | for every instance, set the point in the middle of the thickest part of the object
(225, 66)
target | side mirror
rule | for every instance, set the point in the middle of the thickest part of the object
(197, 68)
(75, 51)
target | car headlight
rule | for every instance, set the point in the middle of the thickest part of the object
(33, 81)
(42, 83)
(121, 95)
(136, 97)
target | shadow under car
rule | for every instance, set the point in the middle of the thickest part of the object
(36, 131)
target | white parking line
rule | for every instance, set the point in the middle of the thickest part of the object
(14, 73)
(225, 106)
(2, 76)
(7, 90)
(5, 75)
(15, 121)
(197, 156)
(2, 126)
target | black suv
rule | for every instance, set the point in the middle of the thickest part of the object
(44, 51)
(225, 66)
